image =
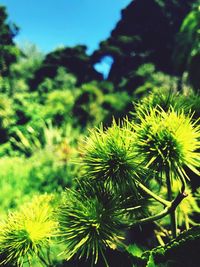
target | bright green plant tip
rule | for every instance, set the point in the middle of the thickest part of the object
(109, 156)
(26, 232)
(169, 139)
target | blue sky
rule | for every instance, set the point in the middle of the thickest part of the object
(53, 23)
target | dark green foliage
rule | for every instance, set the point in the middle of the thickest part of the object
(49, 175)
(187, 53)
(22, 71)
(87, 107)
(58, 107)
(7, 117)
(148, 80)
(129, 174)
(181, 252)
(116, 105)
(150, 38)
(74, 60)
(8, 51)
(193, 71)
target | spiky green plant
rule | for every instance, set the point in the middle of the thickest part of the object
(27, 232)
(168, 142)
(159, 97)
(168, 139)
(92, 218)
(109, 156)
(91, 222)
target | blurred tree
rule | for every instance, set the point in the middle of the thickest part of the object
(149, 80)
(87, 107)
(7, 117)
(74, 60)
(58, 107)
(187, 52)
(8, 50)
(62, 81)
(23, 70)
(145, 33)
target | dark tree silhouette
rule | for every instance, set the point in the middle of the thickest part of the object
(146, 33)
(8, 50)
(73, 59)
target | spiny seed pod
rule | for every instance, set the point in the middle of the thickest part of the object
(109, 156)
(89, 224)
(26, 232)
(168, 139)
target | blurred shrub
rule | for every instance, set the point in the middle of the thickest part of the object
(6, 149)
(23, 70)
(116, 104)
(27, 108)
(14, 179)
(28, 141)
(87, 108)
(7, 117)
(4, 84)
(150, 80)
(136, 78)
(48, 173)
(62, 81)
(21, 178)
(187, 49)
(58, 106)
(146, 70)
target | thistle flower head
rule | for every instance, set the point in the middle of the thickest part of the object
(24, 233)
(88, 225)
(168, 139)
(109, 156)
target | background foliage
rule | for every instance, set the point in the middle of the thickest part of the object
(50, 108)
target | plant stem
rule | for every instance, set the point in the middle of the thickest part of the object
(169, 197)
(153, 195)
(168, 210)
